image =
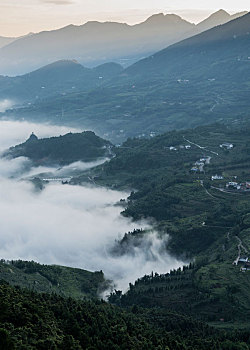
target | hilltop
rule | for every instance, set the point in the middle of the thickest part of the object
(69, 148)
(57, 78)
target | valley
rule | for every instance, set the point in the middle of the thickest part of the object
(125, 185)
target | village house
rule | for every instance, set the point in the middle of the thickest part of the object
(217, 177)
(246, 266)
(232, 184)
(199, 163)
(243, 260)
(227, 145)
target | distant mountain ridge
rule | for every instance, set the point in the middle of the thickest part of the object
(94, 43)
(197, 81)
(57, 78)
(219, 17)
(5, 41)
(231, 40)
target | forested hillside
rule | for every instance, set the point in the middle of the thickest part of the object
(58, 78)
(207, 221)
(85, 146)
(40, 321)
(53, 279)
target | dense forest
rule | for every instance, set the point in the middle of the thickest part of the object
(69, 148)
(198, 214)
(204, 305)
(159, 170)
(62, 280)
(41, 321)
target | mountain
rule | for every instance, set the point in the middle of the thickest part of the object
(5, 41)
(85, 146)
(65, 281)
(60, 77)
(110, 41)
(202, 306)
(223, 45)
(33, 321)
(202, 219)
(197, 81)
(219, 17)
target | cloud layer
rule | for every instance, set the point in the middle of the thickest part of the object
(58, 2)
(69, 225)
(15, 132)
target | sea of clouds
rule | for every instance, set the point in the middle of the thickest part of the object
(68, 225)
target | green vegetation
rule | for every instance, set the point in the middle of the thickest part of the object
(41, 321)
(186, 205)
(205, 220)
(85, 146)
(64, 281)
(204, 305)
(58, 78)
(170, 311)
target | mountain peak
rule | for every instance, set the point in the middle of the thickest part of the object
(155, 18)
(32, 138)
(221, 12)
(216, 18)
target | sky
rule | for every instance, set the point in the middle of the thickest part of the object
(22, 17)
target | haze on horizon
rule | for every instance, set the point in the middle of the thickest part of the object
(19, 18)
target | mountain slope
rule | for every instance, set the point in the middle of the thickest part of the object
(32, 321)
(109, 41)
(56, 78)
(196, 81)
(224, 44)
(64, 281)
(5, 41)
(219, 17)
(85, 146)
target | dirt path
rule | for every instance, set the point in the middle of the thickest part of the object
(240, 249)
(201, 182)
(199, 146)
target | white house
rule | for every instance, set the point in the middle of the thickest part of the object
(217, 177)
(227, 145)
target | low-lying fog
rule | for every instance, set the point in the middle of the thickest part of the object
(68, 225)
(5, 104)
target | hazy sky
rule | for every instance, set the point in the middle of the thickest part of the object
(21, 17)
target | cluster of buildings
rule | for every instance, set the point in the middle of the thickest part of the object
(227, 145)
(173, 148)
(199, 164)
(243, 262)
(244, 186)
